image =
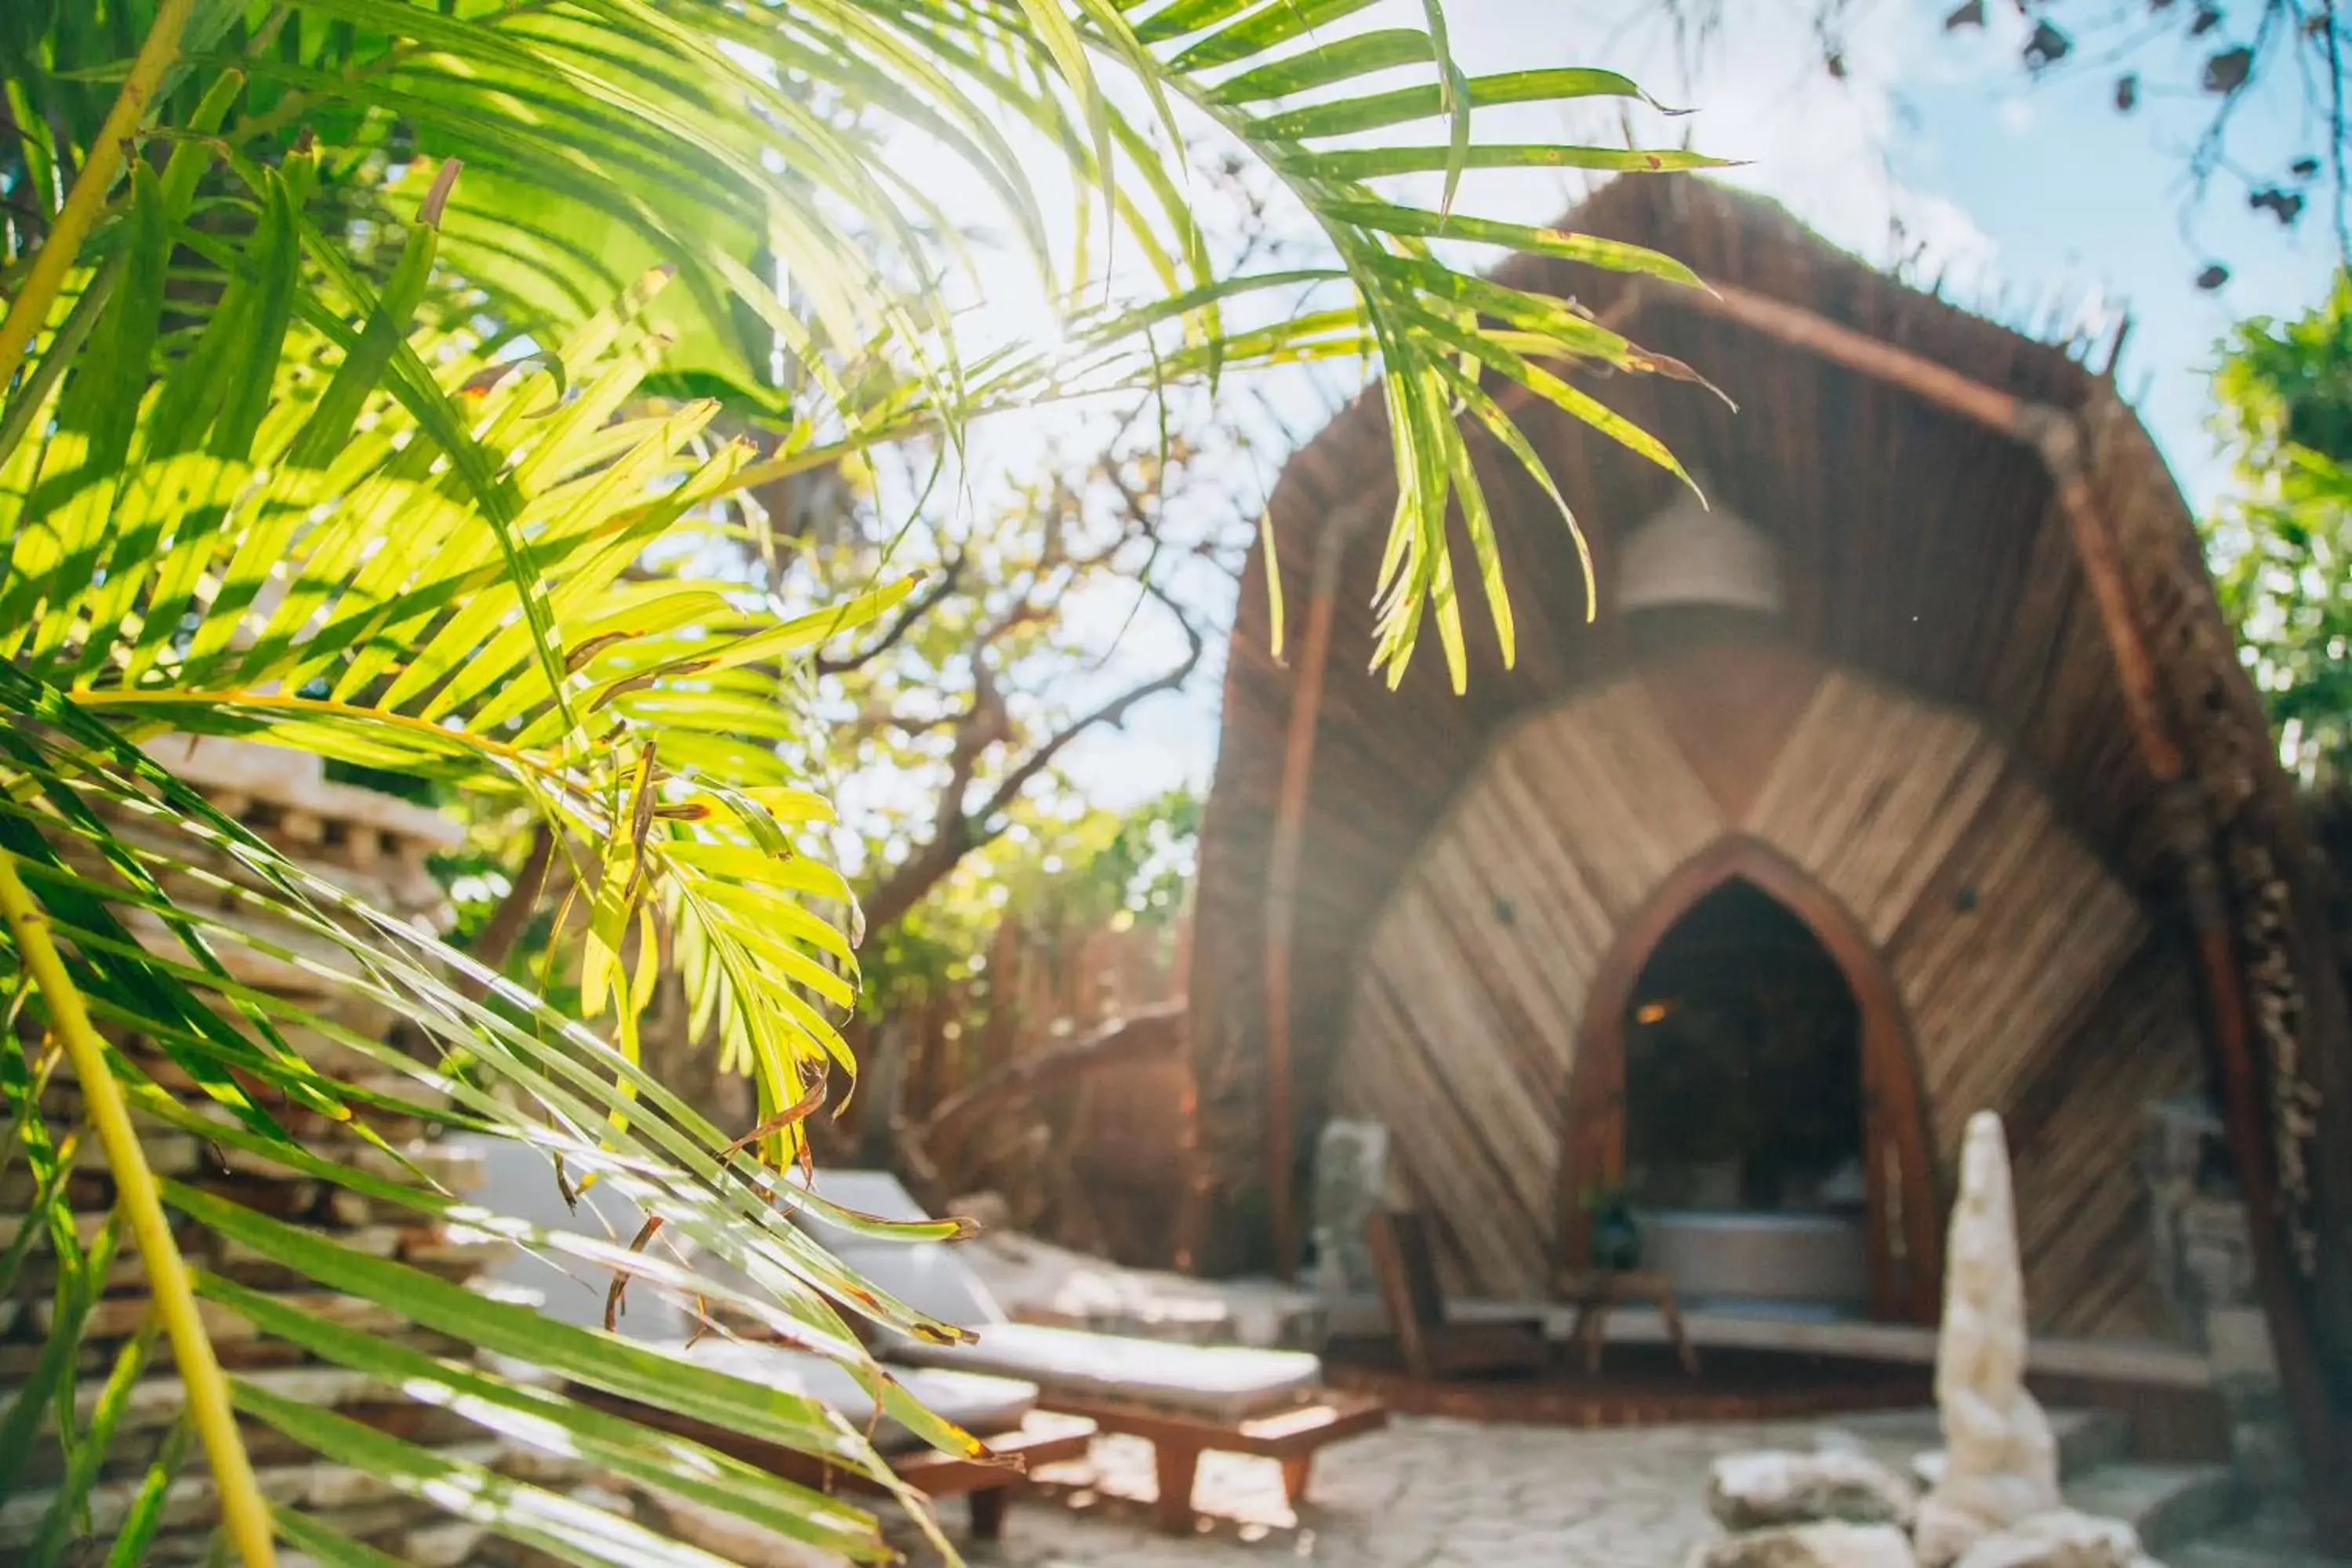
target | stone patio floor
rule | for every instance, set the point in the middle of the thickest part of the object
(1426, 1493)
(1434, 1493)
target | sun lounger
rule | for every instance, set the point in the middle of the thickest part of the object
(1185, 1399)
(519, 1180)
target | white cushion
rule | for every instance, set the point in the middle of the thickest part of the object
(519, 1183)
(925, 1275)
(982, 1405)
(1223, 1382)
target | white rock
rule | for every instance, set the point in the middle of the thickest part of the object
(1830, 1545)
(1747, 1491)
(2000, 1458)
(2061, 1538)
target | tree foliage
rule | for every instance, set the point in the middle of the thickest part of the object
(2283, 538)
(1073, 871)
(375, 373)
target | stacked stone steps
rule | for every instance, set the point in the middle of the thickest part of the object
(2276, 1537)
(377, 848)
(2168, 1505)
(2089, 1440)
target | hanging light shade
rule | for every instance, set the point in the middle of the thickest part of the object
(1689, 555)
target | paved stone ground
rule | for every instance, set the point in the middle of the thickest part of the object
(1424, 1494)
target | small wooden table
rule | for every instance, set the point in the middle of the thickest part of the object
(1596, 1290)
(1291, 1435)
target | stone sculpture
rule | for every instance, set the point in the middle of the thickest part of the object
(1351, 1174)
(2000, 1458)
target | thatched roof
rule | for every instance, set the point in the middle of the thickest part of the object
(1917, 501)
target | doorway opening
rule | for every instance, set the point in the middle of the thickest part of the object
(1744, 1107)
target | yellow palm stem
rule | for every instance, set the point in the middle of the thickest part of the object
(244, 1511)
(83, 203)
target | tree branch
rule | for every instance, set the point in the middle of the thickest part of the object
(1149, 1034)
(505, 926)
(1113, 712)
(909, 616)
(957, 832)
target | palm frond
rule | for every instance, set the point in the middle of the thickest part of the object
(739, 145)
(75, 778)
(348, 422)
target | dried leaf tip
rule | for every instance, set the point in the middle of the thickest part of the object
(437, 200)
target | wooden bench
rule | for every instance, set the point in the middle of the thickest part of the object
(1292, 1436)
(1183, 1399)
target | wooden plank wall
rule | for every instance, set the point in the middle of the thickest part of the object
(2033, 981)
(1470, 996)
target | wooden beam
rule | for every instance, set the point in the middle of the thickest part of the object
(2305, 1385)
(2050, 432)
(1841, 344)
(1282, 878)
(2054, 436)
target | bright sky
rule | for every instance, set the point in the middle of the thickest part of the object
(2038, 197)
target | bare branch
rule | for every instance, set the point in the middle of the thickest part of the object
(1113, 714)
(910, 614)
(957, 832)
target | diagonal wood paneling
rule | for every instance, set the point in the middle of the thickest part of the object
(1871, 792)
(2031, 979)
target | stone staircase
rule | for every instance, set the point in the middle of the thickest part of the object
(2186, 1515)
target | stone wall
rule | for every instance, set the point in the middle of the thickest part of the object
(376, 848)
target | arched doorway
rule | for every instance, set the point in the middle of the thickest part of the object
(1743, 1066)
(1745, 1075)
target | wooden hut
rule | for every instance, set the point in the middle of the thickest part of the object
(1927, 740)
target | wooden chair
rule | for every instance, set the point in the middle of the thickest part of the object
(1433, 1347)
